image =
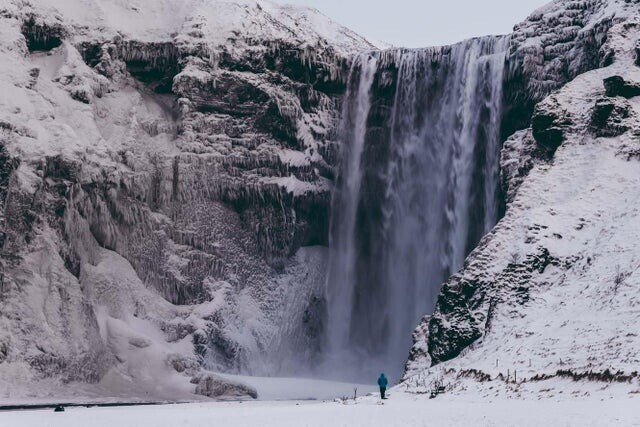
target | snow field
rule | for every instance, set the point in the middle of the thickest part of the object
(400, 410)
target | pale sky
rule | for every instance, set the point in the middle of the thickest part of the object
(421, 23)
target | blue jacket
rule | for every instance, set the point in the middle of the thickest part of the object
(382, 381)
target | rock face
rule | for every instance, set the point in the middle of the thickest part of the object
(164, 167)
(554, 287)
(617, 86)
(548, 124)
(554, 45)
(612, 117)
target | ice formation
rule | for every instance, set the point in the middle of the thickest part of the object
(165, 190)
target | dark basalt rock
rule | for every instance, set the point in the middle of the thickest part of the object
(547, 126)
(42, 35)
(538, 262)
(520, 153)
(4, 347)
(544, 131)
(518, 104)
(608, 117)
(466, 305)
(455, 327)
(91, 53)
(153, 63)
(7, 166)
(224, 93)
(618, 86)
(278, 125)
(311, 65)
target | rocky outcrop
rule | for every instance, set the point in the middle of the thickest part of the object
(555, 44)
(42, 34)
(544, 256)
(617, 86)
(520, 153)
(549, 123)
(220, 388)
(611, 117)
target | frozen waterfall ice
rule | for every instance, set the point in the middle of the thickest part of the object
(418, 187)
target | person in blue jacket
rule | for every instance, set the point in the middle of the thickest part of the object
(382, 382)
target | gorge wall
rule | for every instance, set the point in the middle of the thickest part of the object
(166, 176)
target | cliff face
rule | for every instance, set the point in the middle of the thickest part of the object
(553, 289)
(165, 182)
(554, 45)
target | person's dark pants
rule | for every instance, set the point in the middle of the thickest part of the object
(382, 391)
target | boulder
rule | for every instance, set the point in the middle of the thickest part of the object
(211, 385)
(618, 86)
(548, 123)
(609, 117)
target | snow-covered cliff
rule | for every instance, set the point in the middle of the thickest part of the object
(553, 290)
(165, 188)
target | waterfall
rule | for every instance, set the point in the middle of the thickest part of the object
(417, 189)
(343, 254)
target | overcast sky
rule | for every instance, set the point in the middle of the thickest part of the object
(420, 23)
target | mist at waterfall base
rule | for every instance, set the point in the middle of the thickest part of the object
(418, 188)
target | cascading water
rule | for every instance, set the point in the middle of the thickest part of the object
(418, 188)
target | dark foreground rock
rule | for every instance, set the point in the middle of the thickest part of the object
(618, 86)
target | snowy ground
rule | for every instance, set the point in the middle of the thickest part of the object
(269, 389)
(272, 389)
(400, 410)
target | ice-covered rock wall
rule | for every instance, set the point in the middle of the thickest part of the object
(552, 46)
(165, 172)
(543, 292)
